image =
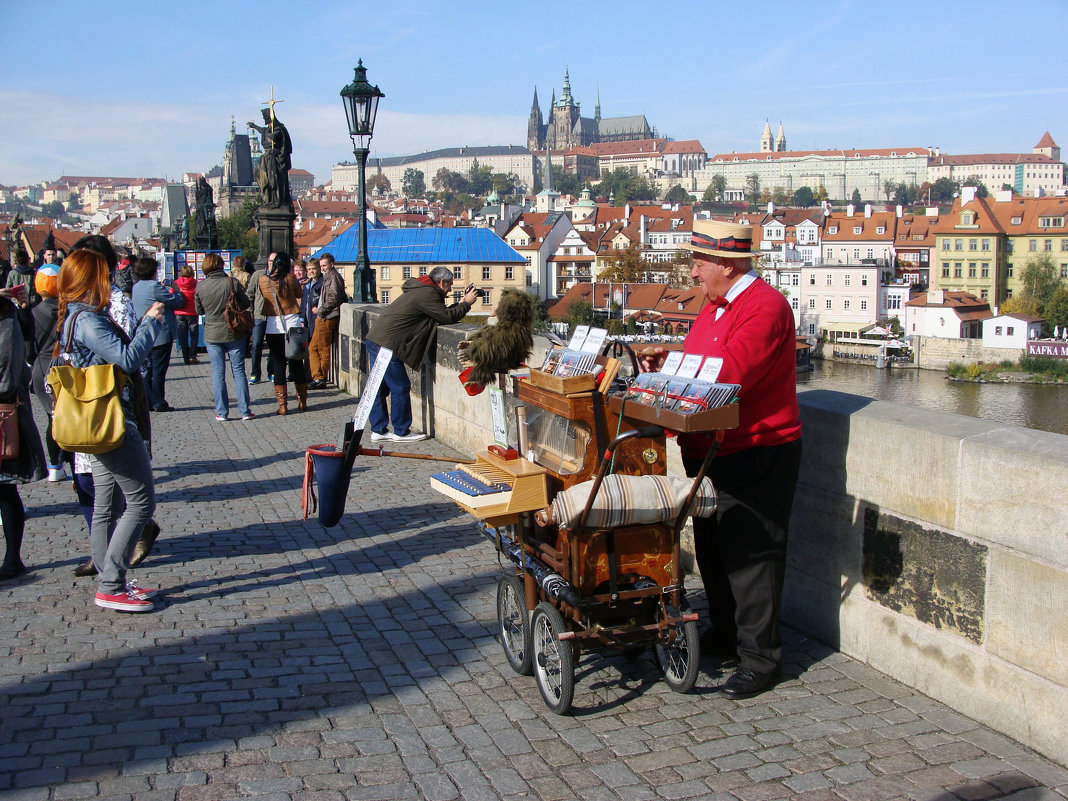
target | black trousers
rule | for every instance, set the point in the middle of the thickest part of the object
(741, 551)
(277, 362)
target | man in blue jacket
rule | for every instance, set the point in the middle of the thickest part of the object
(146, 291)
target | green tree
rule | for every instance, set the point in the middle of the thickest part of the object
(380, 182)
(820, 194)
(1056, 312)
(1020, 304)
(716, 187)
(678, 195)
(505, 185)
(579, 313)
(752, 189)
(480, 179)
(413, 183)
(977, 182)
(780, 196)
(855, 198)
(943, 190)
(904, 194)
(625, 266)
(625, 186)
(566, 183)
(1040, 279)
(803, 197)
(54, 209)
(679, 269)
(888, 188)
(238, 231)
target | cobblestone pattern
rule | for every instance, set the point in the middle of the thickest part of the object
(289, 661)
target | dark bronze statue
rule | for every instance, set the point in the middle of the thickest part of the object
(272, 172)
(205, 235)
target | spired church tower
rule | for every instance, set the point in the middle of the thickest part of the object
(535, 126)
(780, 140)
(238, 180)
(767, 144)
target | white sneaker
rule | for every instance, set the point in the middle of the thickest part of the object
(387, 437)
(57, 474)
(144, 593)
(412, 437)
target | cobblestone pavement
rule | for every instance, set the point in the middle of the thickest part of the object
(360, 662)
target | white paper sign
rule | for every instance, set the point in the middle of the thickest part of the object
(594, 340)
(578, 337)
(710, 369)
(370, 389)
(671, 362)
(691, 363)
(500, 424)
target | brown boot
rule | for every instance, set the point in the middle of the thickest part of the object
(280, 395)
(144, 543)
(302, 397)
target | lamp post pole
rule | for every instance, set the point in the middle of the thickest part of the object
(361, 106)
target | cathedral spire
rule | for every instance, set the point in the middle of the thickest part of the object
(767, 144)
(597, 108)
(565, 98)
(780, 140)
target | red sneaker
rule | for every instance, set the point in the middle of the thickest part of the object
(123, 602)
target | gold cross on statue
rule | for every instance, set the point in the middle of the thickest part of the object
(271, 103)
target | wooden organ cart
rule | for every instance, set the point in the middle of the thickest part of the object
(581, 586)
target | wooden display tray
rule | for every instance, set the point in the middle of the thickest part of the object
(560, 385)
(569, 406)
(529, 492)
(714, 419)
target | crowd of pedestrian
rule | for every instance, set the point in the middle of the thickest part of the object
(91, 308)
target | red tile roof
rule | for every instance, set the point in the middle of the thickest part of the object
(1046, 141)
(846, 153)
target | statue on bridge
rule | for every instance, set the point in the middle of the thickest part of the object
(272, 171)
(206, 233)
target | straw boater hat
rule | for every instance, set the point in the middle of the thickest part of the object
(717, 238)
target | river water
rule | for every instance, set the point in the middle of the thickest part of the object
(1040, 406)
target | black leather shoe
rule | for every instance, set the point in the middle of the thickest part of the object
(317, 384)
(746, 682)
(715, 644)
(86, 568)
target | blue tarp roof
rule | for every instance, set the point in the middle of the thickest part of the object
(425, 245)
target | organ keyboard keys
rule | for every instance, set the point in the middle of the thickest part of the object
(494, 489)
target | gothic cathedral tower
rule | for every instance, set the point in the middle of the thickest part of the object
(535, 126)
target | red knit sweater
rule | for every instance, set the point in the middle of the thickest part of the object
(755, 338)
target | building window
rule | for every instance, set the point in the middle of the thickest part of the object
(1009, 329)
(509, 273)
(871, 253)
(971, 269)
(383, 273)
(1047, 245)
(485, 273)
(830, 279)
(857, 229)
(406, 272)
(457, 296)
(794, 304)
(958, 244)
(458, 272)
(957, 272)
(945, 244)
(1032, 244)
(847, 279)
(385, 296)
(864, 280)
(864, 305)
(1008, 271)
(530, 280)
(827, 303)
(986, 244)
(812, 303)
(486, 297)
(945, 270)
(856, 253)
(422, 270)
(984, 270)
(997, 330)
(1064, 270)
(881, 229)
(973, 244)
(983, 295)
(812, 279)
(845, 304)
(1064, 245)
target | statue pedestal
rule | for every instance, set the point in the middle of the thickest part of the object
(276, 233)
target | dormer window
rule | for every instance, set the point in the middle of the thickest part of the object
(1016, 220)
(881, 229)
(857, 229)
(967, 218)
(833, 229)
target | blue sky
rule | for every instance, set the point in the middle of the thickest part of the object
(148, 89)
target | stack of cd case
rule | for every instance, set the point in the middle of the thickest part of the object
(681, 395)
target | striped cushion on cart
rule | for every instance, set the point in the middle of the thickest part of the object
(630, 501)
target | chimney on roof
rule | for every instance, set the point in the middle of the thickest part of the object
(936, 297)
(849, 210)
(771, 207)
(626, 214)
(1003, 195)
(867, 210)
(898, 211)
(967, 195)
(1040, 192)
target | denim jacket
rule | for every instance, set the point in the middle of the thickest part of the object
(96, 340)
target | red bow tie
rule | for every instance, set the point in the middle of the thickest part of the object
(720, 302)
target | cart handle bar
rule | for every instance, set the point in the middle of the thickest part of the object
(689, 617)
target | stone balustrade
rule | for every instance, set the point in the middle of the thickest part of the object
(931, 546)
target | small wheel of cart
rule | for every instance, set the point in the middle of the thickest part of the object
(514, 622)
(554, 661)
(680, 660)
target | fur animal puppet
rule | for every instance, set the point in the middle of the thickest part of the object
(501, 347)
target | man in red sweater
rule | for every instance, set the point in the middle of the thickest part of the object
(741, 551)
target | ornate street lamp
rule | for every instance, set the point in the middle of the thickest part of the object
(361, 106)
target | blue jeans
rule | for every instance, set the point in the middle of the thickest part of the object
(217, 353)
(397, 387)
(259, 330)
(118, 475)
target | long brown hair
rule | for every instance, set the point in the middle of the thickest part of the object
(84, 276)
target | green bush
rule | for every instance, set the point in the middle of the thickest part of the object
(1056, 368)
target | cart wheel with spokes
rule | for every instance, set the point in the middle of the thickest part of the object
(680, 661)
(514, 623)
(554, 661)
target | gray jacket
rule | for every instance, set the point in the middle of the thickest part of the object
(254, 295)
(210, 299)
